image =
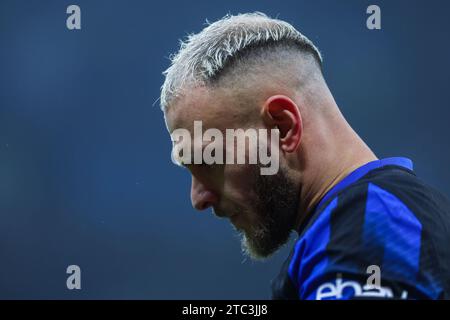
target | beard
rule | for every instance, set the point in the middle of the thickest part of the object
(276, 209)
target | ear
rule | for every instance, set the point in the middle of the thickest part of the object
(281, 112)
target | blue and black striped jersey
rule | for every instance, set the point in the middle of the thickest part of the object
(380, 217)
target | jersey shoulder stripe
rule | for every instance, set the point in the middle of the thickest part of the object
(382, 219)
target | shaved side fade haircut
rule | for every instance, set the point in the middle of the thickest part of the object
(234, 47)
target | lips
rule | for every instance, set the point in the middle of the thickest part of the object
(233, 217)
(219, 213)
(236, 221)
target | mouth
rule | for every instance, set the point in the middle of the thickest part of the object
(236, 221)
(219, 213)
(233, 217)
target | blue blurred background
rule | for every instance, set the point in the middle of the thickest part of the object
(85, 171)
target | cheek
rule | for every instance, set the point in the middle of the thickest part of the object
(239, 181)
(239, 191)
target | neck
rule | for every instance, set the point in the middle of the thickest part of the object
(327, 170)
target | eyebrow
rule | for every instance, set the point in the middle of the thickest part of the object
(176, 159)
(176, 155)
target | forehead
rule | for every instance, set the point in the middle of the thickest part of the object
(215, 108)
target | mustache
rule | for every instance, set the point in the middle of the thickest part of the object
(219, 212)
(226, 212)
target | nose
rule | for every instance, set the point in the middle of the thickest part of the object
(201, 197)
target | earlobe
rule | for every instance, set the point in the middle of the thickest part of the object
(281, 112)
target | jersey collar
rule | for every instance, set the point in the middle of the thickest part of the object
(362, 171)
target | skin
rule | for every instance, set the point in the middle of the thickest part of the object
(318, 148)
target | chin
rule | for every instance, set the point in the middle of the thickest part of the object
(254, 252)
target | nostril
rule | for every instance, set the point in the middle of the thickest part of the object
(204, 206)
(204, 200)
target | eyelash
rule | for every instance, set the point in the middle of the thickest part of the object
(204, 165)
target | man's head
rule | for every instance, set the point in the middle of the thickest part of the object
(253, 72)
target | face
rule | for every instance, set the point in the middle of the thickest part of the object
(262, 208)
